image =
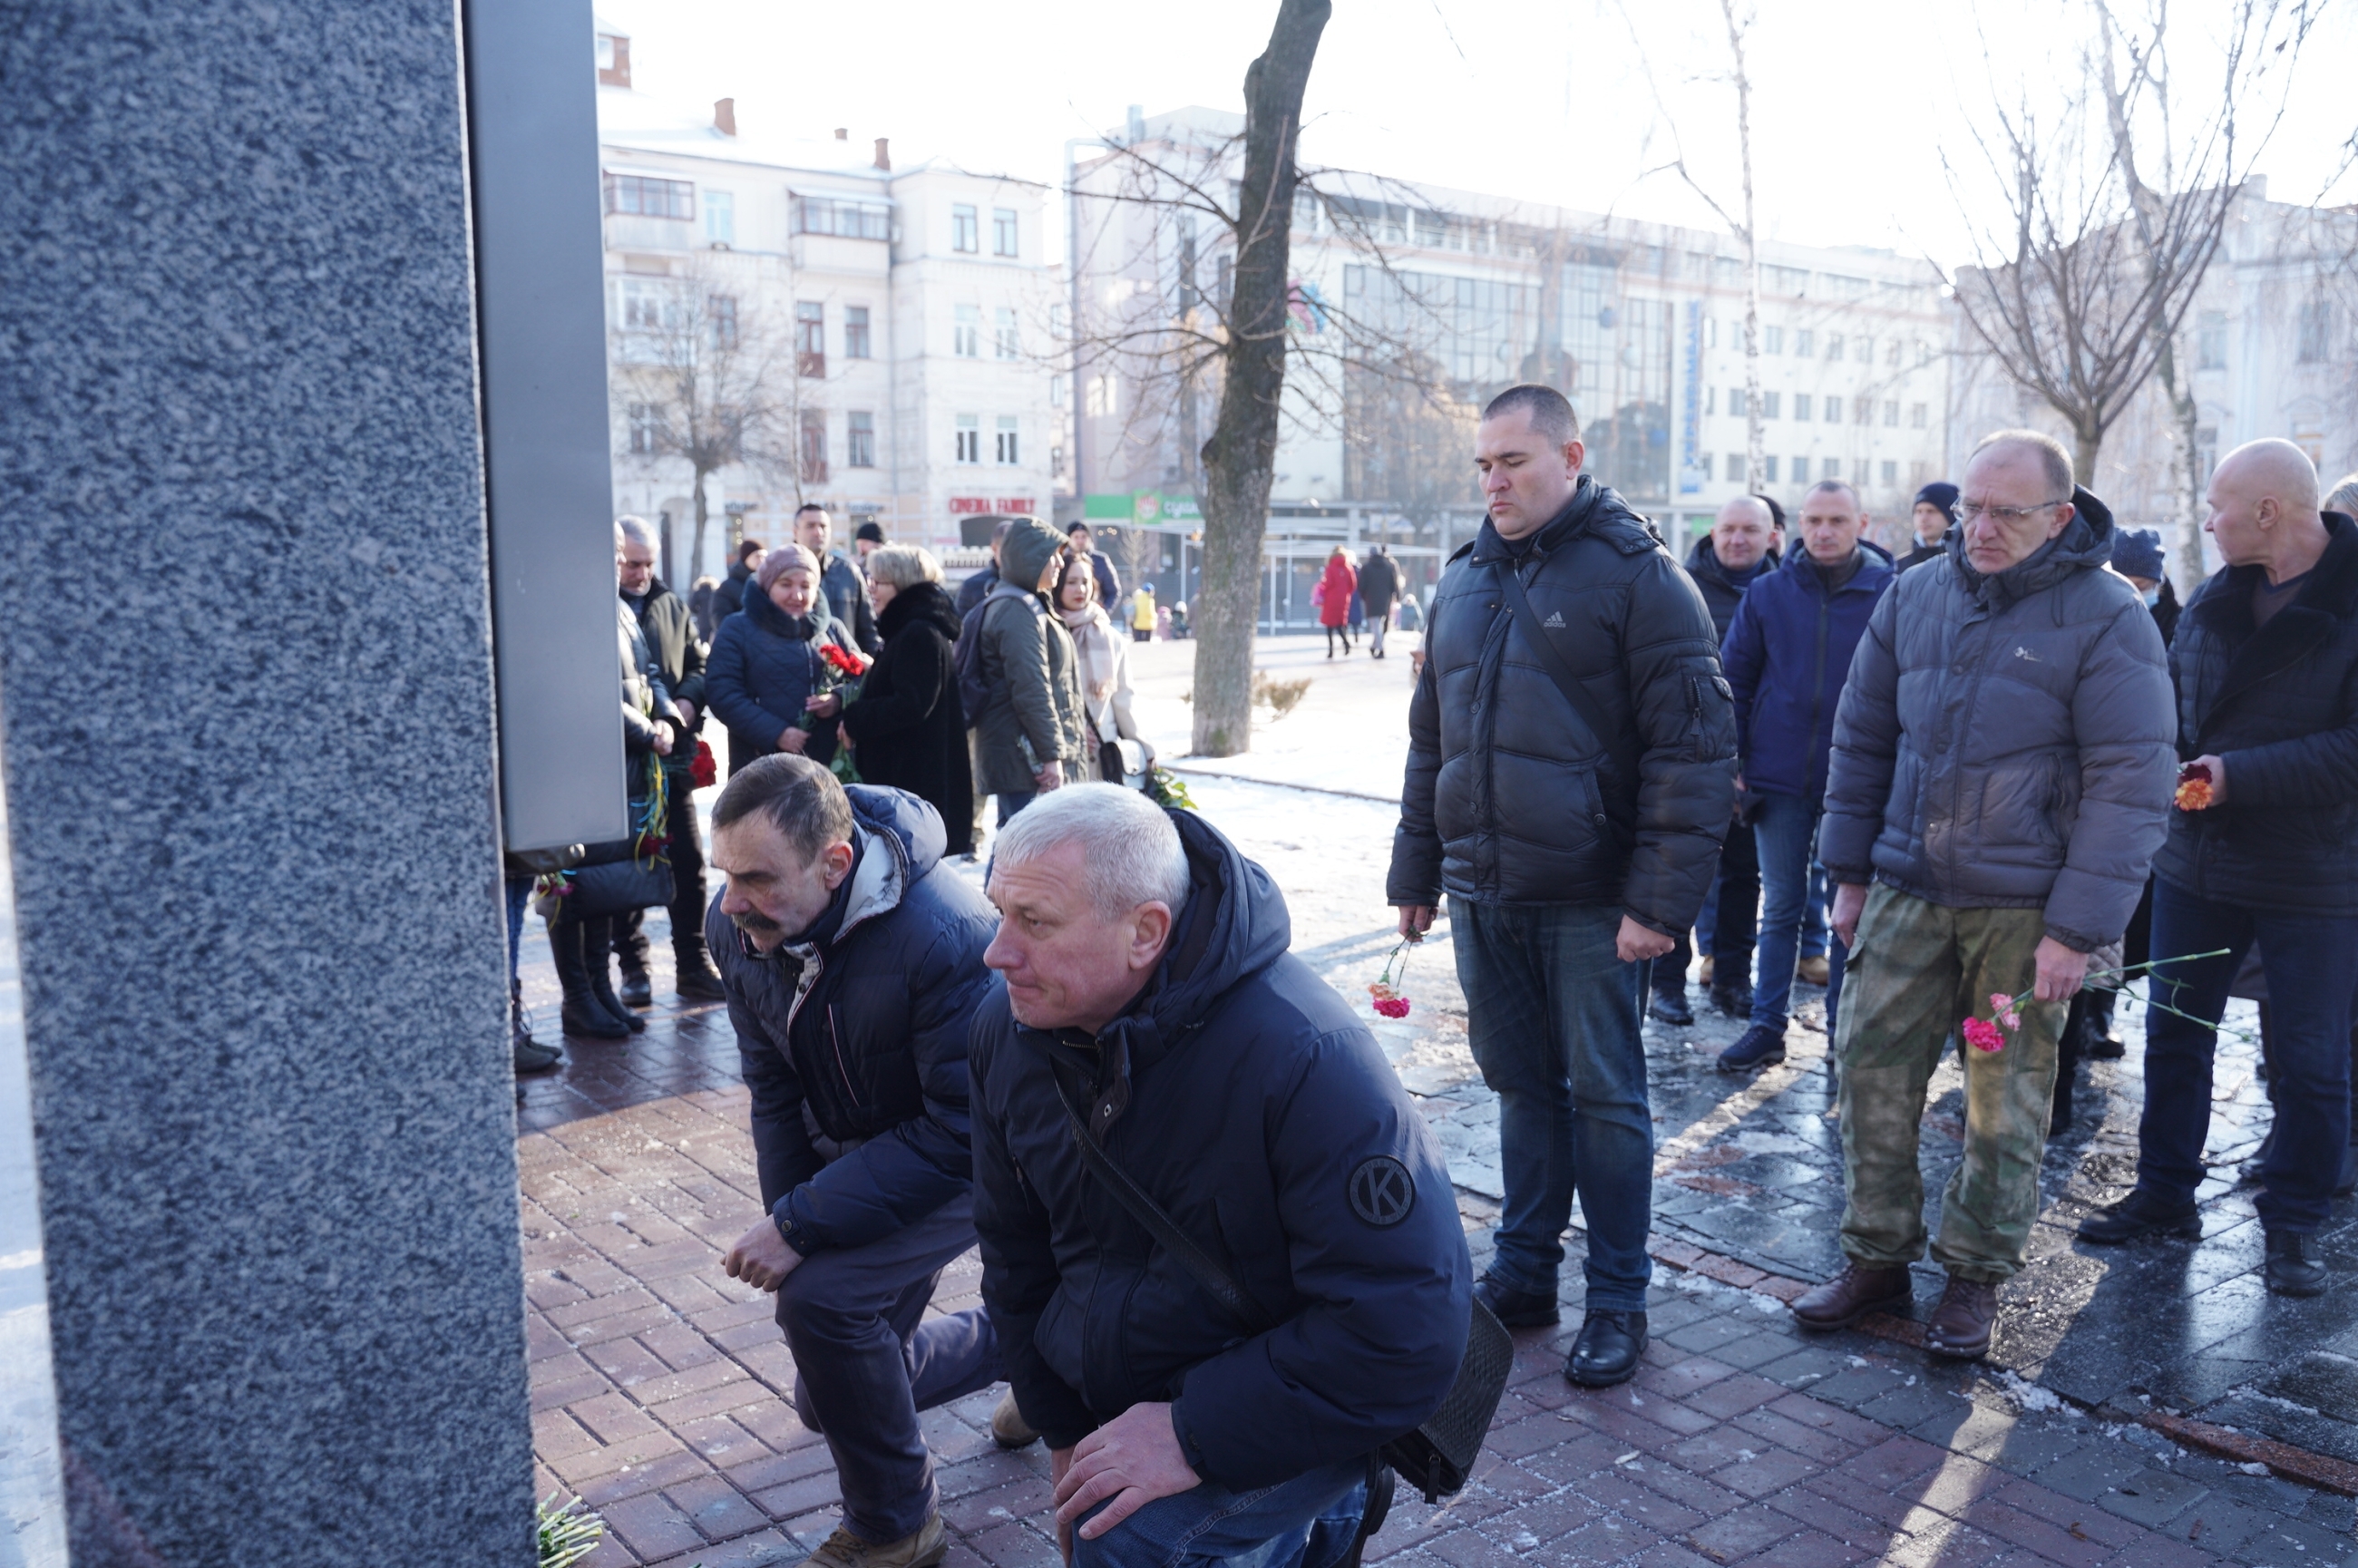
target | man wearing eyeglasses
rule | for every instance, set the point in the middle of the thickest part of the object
(2002, 768)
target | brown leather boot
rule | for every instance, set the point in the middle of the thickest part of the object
(1961, 1324)
(1850, 1295)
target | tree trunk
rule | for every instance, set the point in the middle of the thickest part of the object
(1242, 452)
(702, 511)
(2086, 444)
(1755, 437)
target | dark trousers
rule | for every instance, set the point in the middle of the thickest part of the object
(688, 899)
(2309, 960)
(866, 1362)
(1728, 924)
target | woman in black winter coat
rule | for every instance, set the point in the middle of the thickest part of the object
(908, 728)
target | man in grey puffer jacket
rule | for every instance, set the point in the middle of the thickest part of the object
(2003, 762)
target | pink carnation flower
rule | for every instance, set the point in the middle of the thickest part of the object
(1982, 1035)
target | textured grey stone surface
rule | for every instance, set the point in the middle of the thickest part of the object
(246, 675)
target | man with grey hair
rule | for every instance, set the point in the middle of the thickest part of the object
(2266, 852)
(2001, 776)
(852, 959)
(1150, 1022)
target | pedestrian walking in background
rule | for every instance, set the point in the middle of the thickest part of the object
(729, 596)
(665, 623)
(1336, 586)
(1787, 654)
(971, 592)
(765, 665)
(1934, 515)
(1147, 979)
(907, 724)
(1029, 735)
(852, 959)
(1142, 611)
(1104, 669)
(1378, 591)
(1571, 662)
(866, 540)
(2001, 773)
(2265, 664)
(1724, 563)
(1083, 545)
(842, 586)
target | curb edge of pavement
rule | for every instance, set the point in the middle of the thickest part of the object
(2293, 1464)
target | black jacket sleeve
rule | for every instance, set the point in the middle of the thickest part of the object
(1865, 752)
(1415, 876)
(921, 671)
(1686, 735)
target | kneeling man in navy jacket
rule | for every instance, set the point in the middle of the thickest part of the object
(1147, 1003)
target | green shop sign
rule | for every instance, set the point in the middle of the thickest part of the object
(1142, 508)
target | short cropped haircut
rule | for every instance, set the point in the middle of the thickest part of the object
(1550, 411)
(783, 560)
(904, 566)
(1828, 487)
(634, 530)
(749, 547)
(808, 507)
(800, 799)
(2052, 457)
(1130, 853)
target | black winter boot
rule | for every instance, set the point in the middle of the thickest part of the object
(583, 1014)
(596, 936)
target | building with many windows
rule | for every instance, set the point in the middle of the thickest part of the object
(807, 322)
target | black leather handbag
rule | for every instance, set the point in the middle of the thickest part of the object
(1436, 1457)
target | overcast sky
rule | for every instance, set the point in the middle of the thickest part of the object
(1854, 100)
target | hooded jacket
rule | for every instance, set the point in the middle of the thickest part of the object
(1787, 655)
(1506, 801)
(853, 1041)
(762, 664)
(1034, 714)
(2280, 707)
(1249, 1102)
(645, 694)
(1721, 592)
(2005, 742)
(728, 596)
(1379, 584)
(907, 725)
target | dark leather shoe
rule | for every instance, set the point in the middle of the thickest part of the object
(1758, 1046)
(699, 981)
(1850, 1295)
(1960, 1327)
(1380, 1487)
(1671, 1008)
(532, 1056)
(2141, 1214)
(637, 991)
(1735, 1000)
(1607, 1349)
(1514, 1308)
(2293, 1268)
(586, 1021)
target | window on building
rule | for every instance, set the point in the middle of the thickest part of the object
(855, 333)
(2210, 341)
(1735, 402)
(814, 448)
(1805, 343)
(613, 61)
(1768, 471)
(1800, 470)
(2206, 450)
(1919, 416)
(1891, 411)
(720, 218)
(1801, 406)
(1830, 409)
(1862, 410)
(1863, 349)
(1007, 448)
(969, 439)
(1702, 467)
(1002, 230)
(1834, 345)
(845, 220)
(964, 229)
(642, 196)
(965, 334)
(1736, 468)
(648, 305)
(1858, 471)
(1772, 339)
(1004, 338)
(723, 309)
(2316, 332)
(1890, 473)
(1891, 353)
(2309, 435)
(1771, 404)
(860, 440)
(1055, 462)
(646, 429)
(1710, 400)
(810, 338)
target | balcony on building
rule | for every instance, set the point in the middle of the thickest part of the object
(842, 234)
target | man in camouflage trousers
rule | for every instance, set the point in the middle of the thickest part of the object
(2003, 762)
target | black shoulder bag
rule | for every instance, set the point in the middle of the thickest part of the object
(1584, 706)
(1435, 1458)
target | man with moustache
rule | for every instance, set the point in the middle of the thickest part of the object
(851, 958)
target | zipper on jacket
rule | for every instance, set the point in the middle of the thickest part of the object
(835, 1038)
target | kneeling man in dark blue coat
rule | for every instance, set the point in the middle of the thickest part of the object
(852, 961)
(1148, 985)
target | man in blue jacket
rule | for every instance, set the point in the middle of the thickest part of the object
(1148, 995)
(852, 961)
(1787, 654)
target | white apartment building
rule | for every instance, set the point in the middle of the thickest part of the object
(1642, 325)
(893, 323)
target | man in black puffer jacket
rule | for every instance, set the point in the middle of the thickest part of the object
(2266, 662)
(852, 959)
(1150, 989)
(1573, 848)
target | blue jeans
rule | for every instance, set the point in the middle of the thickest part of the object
(1814, 934)
(1551, 1014)
(1728, 925)
(2309, 960)
(519, 891)
(867, 1360)
(1309, 1521)
(1786, 834)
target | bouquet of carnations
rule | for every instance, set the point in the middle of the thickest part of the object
(2006, 1011)
(1386, 992)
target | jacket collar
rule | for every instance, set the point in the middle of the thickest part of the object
(2086, 544)
(2223, 607)
(1567, 525)
(1875, 569)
